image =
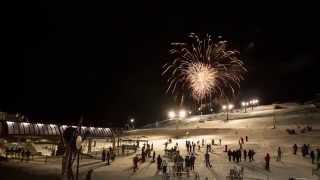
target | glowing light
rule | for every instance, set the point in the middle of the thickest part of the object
(182, 114)
(132, 120)
(171, 114)
(224, 107)
(25, 124)
(230, 106)
(10, 122)
(243, 104)
(39, 124)
(205, 67)
(201, 78)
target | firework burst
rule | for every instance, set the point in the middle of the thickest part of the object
(206, 68)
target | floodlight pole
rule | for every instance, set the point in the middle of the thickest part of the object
(227, 112)
(274, 117)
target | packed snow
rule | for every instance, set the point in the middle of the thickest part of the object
(257, 124)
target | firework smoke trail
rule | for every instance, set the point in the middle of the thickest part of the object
(207, 68)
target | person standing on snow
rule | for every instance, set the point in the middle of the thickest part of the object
(312, 155)
(267, 159)
(245, 155)
(279, 154)
(295, 148)
(159, 162)
(207, 159)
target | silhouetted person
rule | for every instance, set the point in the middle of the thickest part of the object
(28, 153)
(279, 154)
(246, 138)
(159, 162)
(108, 158)
(164, 167)
(245, 155)
(207, 159)
(267, 159)
(135, 163)
(192, 161)
(229, 154)
(233, 156)
(153, 156)
(295, 148)
(312, 155)
(103, 155)
(252, 154)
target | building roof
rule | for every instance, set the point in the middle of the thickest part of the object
(11, 128)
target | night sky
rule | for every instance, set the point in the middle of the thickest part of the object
(63, 60)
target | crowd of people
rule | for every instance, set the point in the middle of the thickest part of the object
(307, 151)
(187, 163)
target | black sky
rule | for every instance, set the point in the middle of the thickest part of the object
(64, 59)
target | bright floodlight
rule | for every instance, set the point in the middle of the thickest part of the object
(243, 103)
(39, 124)
(230, 106)
(171, 114)
(224, 107)
(182, 114)
(132, 120)
(25, 124)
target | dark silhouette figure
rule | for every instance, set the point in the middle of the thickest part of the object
(267, 159)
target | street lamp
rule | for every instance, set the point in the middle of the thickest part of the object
(224, 107)
(171, 114)
(228, 108)
(253, 102)
(132, 120)
(245, 105)
(182, 114)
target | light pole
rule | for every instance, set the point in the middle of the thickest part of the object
(182, 114)
(132, 122)
(274, 117)
(171, 114)
(245, 104)
(227, 108)
(253, 102)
